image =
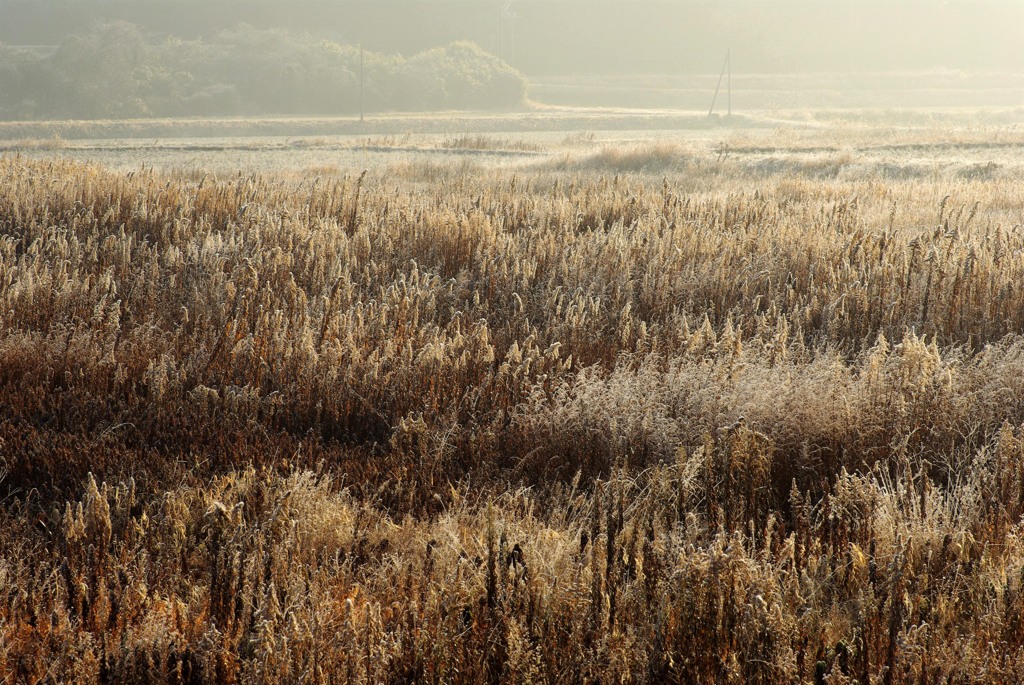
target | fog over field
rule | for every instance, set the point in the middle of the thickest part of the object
(126, 58)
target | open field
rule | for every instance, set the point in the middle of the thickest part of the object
(834, 144)
(791, 89)
(722, 405)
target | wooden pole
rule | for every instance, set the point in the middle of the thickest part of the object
(719, 87)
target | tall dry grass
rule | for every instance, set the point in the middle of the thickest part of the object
(509, 428)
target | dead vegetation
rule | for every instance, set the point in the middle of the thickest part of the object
(509, 428)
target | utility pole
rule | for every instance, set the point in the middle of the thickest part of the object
(726, 70)
(503, 14)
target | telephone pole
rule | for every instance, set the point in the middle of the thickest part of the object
(726, 74)
(503, 14)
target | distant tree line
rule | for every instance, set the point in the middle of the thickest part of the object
(568, 38)
(114, 70)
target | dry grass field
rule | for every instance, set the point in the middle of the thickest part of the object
(737, 407)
